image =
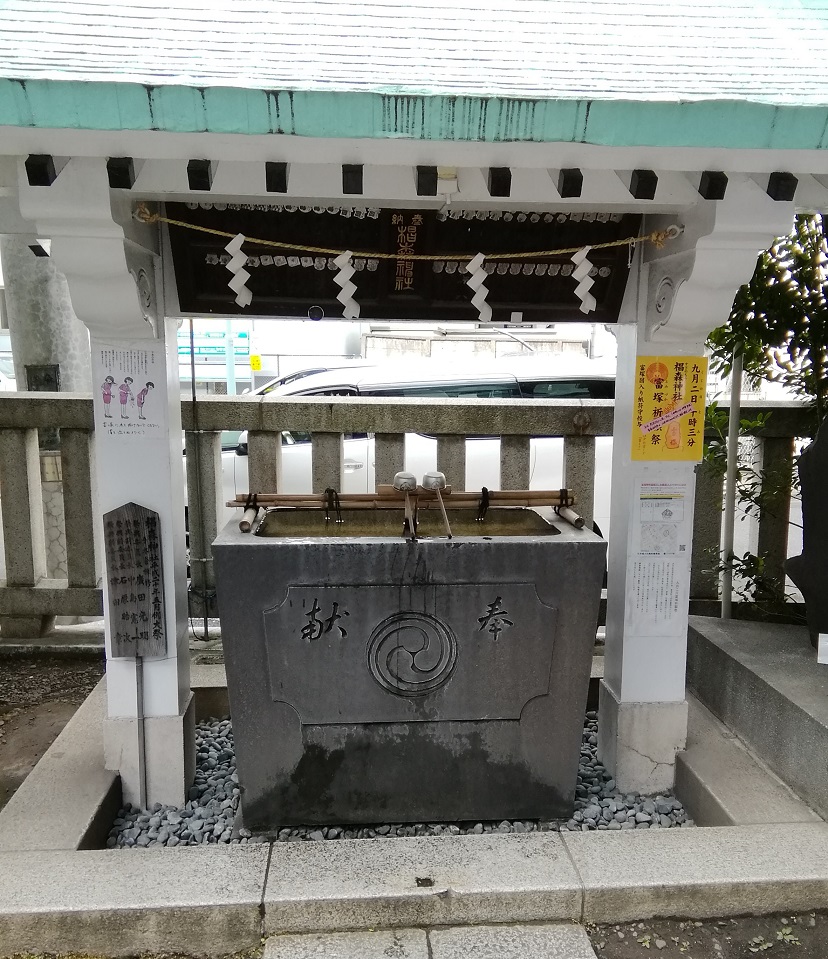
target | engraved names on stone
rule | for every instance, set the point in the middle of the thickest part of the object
(132, 536)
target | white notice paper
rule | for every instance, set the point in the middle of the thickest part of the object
(658, 579)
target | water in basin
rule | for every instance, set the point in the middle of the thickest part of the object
(311, 523)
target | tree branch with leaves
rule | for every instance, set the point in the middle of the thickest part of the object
(779, 325)
(779, 320)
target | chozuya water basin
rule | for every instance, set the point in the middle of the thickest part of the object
(374, 678)
(303, 523)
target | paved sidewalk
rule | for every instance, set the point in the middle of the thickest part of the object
(560, 941)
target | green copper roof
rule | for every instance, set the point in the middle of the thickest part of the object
(735, 74)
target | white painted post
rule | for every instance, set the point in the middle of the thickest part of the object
(642, 699)
(674, 298)
(109, 262)
(138, 460)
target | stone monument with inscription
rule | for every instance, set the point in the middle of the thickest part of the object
(376, 679)
(135, 605)
(132, 538)
(809, 571)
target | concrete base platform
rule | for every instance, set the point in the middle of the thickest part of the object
(638, 742)
(763, 681)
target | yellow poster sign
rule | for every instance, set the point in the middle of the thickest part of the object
(668, 412)
(255, 362)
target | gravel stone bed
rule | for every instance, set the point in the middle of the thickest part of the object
(210, 813)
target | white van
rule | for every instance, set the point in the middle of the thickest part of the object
(558, 377)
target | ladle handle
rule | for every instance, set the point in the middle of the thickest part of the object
(409, 517)
(443, 511)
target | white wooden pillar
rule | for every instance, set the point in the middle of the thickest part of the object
(674, 298)
(109, 261)
(642, 708)
(138, 460)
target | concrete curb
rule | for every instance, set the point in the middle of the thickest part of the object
(702, 872)
(428, 881)
(68, 801)
(217, 899)
(196, 901)
(458, 942)
(73, 769)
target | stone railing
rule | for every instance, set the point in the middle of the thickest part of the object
(29, 594)
(28, 597)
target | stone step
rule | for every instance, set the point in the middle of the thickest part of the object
(763, 681)
(559, 941)
(722, 783)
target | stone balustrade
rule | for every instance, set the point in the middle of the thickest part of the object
(29, 598)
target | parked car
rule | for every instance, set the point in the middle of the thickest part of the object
(288, 378)
(559, 377)
(230, 438)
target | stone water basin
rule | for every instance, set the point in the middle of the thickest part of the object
(375, 679)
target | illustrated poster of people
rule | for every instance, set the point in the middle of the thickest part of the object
(129, 374)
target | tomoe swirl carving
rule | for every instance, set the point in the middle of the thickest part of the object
(412, 654)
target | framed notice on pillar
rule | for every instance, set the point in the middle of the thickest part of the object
(135, 582)
(668, 410)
